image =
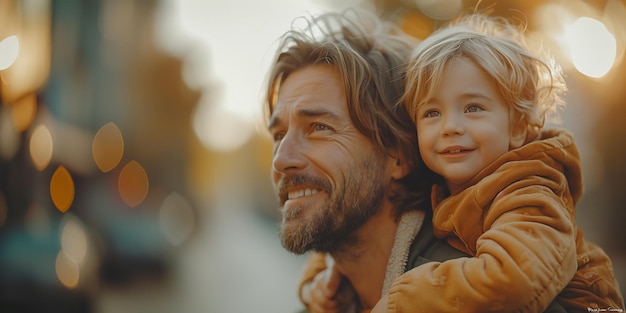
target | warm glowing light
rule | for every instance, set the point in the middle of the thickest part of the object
(417, 25)
(9, 50)
(74, 239)
(220, 72)
(176, 219)
(133, 184)
(219, 129)
(62, 189)
(440, 9)
(108, 147)
(24, 111)
(68, 272)
(593, 48)
(41, 147)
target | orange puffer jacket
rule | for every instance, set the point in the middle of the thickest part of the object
(517, 218)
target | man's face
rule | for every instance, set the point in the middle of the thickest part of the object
(328, 176)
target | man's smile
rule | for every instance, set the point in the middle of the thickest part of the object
(296, 187)
(301, 193)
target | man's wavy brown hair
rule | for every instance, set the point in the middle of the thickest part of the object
(370, 56)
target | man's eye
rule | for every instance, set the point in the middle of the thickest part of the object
(278, 136)
(321, 127)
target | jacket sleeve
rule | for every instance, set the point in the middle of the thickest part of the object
(315, 264)
(524, 249)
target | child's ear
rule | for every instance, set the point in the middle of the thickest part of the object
(399, 167)
(519, 131)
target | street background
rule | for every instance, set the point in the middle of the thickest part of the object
(134, 161)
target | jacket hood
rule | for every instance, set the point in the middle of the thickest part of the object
(555, 148)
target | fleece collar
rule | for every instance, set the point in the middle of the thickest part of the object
(410, 224)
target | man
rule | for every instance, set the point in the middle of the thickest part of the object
(345, 155)
(346, 167)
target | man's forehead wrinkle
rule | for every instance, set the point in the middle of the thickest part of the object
(303, 107)
(313, 112)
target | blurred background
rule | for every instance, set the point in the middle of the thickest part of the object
(134, 163)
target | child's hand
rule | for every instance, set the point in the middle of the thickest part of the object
(326, 293)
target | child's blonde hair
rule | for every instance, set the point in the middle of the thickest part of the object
(530, 83)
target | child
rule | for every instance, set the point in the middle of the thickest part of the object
(479, 99)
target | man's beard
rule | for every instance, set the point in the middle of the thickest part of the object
(329, 227)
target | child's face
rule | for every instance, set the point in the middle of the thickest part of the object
(465, 126)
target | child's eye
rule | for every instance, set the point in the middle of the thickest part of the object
(431, 113)
(473, 108)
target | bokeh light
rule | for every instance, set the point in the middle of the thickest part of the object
(440, 9)
(220, 129)
(593, 48)
(68, 272)
(41, 147)
(62, 189)
(108, 147)
(9, 50)
(133, 184)
(176, 218)
(23, 112)
(74, 239)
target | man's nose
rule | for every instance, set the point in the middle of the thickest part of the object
(290, 154)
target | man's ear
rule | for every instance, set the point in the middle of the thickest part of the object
(400, 166)
(519, 131)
